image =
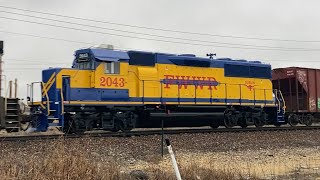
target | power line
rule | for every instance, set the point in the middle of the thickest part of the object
(59, 39)
(152, 35)
(35, 68)
(44, 37)
(143, 38)
(163, 30)
(10, 60)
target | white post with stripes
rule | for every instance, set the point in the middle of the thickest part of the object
(173, 160)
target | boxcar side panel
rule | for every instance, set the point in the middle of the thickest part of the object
(300, 88)
(318, 89)
(312, 96)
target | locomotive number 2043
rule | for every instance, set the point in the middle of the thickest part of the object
(112, 82)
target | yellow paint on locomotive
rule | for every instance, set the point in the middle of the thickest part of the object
(142, 81)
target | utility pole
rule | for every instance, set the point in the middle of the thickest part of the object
(1, 53)
(15, 88)
(10, 89)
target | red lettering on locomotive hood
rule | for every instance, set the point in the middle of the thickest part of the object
(195, 81)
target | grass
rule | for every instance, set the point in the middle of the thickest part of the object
(59, 161)
(64, 162)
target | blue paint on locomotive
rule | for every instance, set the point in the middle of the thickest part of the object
(114, 95)
(85, 94)
(190, 82)
(101, 54)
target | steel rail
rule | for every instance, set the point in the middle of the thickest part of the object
(42, 137)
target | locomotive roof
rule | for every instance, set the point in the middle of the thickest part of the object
(163, 58)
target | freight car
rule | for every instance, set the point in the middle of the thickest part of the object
(121, 90)
(301, 91)
(10, 115)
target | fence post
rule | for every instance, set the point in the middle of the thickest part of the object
(162, 137)
(173, 160)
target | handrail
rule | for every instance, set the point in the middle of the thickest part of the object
(284, 102)
(279, 103)
(31, 90)
(142, 91)
(47, 97)
(62, 102)
(254, 96)
(211, 97)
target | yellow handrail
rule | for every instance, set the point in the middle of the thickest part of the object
(47, 97)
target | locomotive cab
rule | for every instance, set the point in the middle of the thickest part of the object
(96, 75)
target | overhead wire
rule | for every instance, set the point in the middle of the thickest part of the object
(46, 37)
(71, 41)
(154, 35)
(10, 60)
(36, 36)
(65, 40)
(160, 29)
(144, 38)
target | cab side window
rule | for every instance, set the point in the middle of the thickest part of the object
(84, 65)
(84, 61)
(112, 68)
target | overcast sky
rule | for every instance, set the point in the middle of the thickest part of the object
(294, 20)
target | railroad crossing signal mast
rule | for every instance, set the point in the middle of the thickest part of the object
(1, 53)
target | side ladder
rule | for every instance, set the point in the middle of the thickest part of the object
(12, 111)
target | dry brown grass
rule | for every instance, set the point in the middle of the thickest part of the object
(60, 164)
(64, 162)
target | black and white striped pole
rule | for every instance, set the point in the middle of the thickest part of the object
(173, 160)
(1, 53)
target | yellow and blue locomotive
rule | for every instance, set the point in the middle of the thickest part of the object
(121, 90)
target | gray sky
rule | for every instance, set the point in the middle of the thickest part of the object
(26, 56)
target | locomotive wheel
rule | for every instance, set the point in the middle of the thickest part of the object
(124, 127)
(242, 123)
(69, 125)
(214, 124)
(277, 124)
(115, 129)
(25, 123)
(293, 120)
(308, 120)
(258, 122)
(25, 126)
(229, 120)
(260, 119)
(75, 124)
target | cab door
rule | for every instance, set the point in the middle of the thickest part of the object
(66, 88)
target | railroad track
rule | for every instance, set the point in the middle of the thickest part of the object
(151, 132)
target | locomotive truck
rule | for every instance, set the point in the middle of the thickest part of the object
(121, 90)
